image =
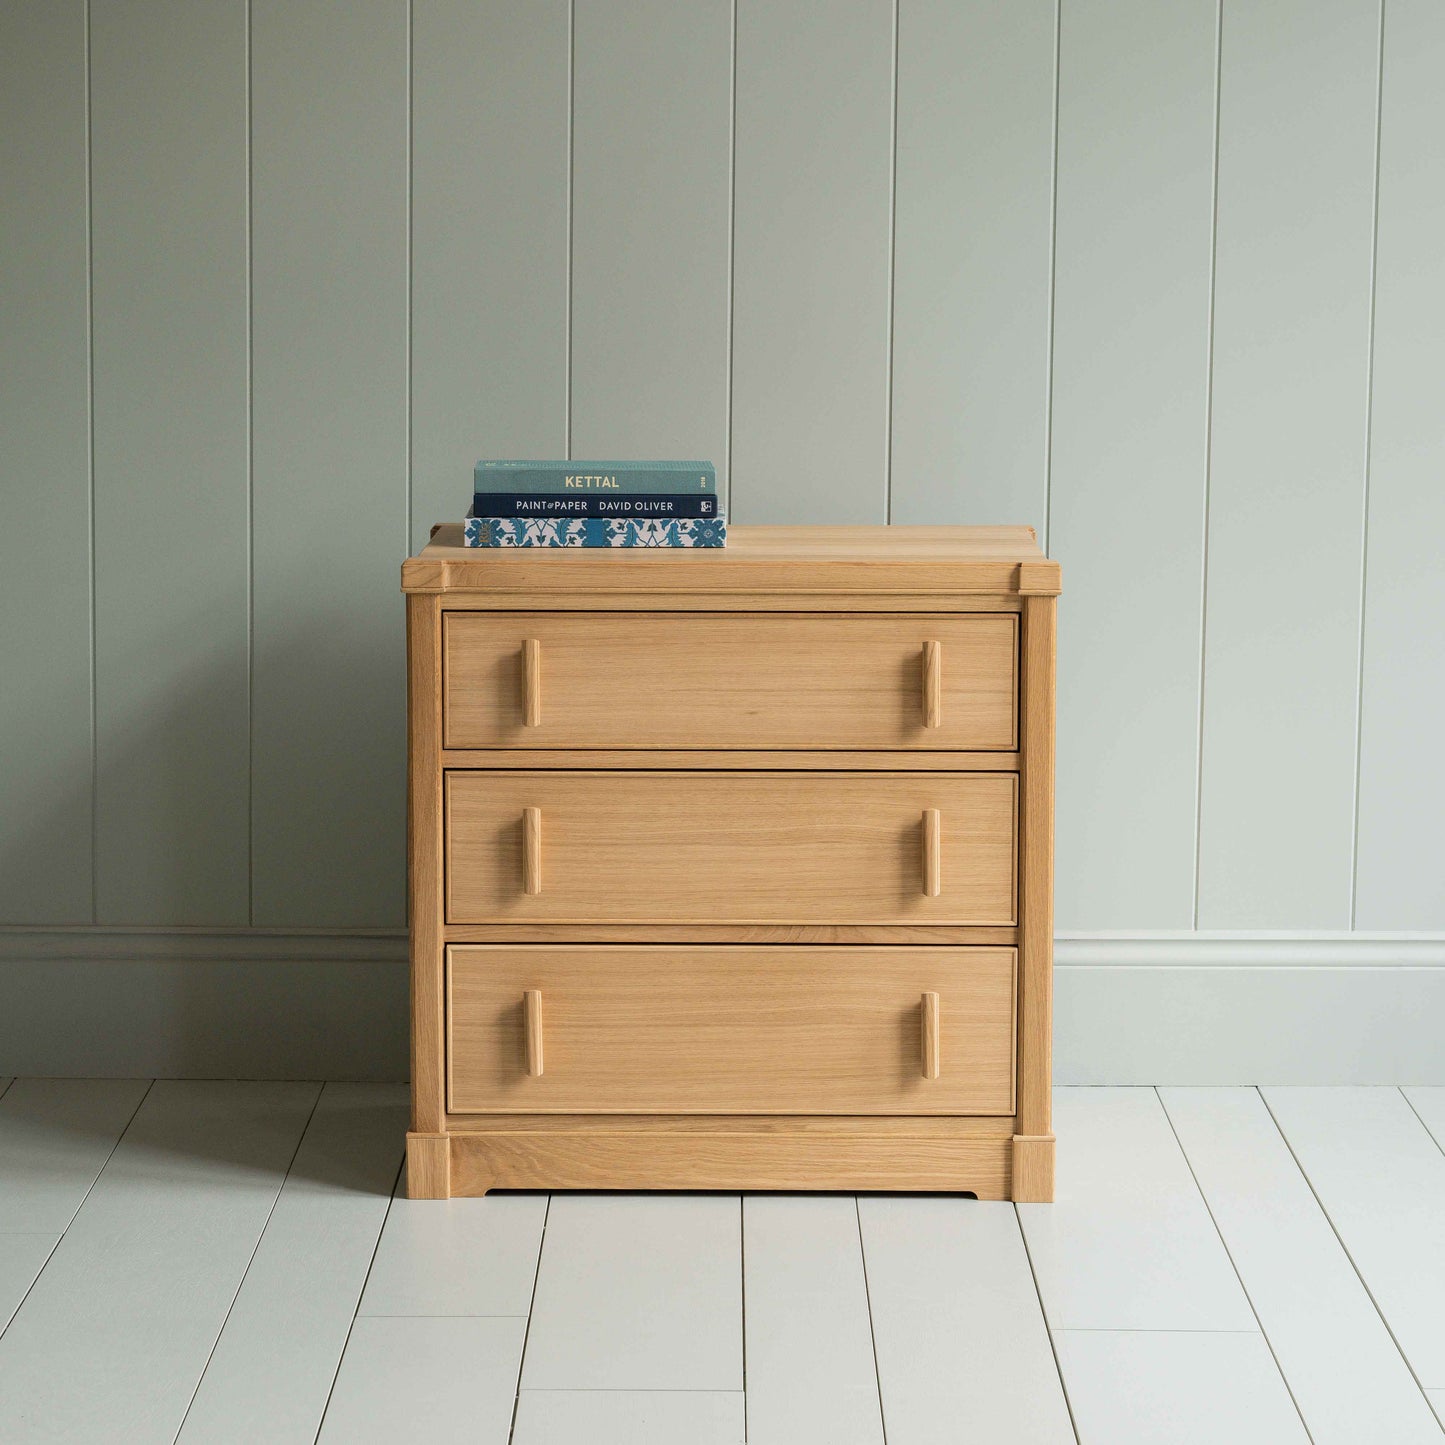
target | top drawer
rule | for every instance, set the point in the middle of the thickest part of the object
(729, 680)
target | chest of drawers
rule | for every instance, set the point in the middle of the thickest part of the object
(733, 870)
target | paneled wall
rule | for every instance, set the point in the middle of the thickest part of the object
(1164, 280)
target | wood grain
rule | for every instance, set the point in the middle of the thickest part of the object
(729, 681)
(931, 1041)
(730, 1030)
(424, 848)
(1036, 848)
(911, 561)
(669, 847)
(888, 1157)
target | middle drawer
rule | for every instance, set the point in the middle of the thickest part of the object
(641, 846)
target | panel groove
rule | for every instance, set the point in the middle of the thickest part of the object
(1365, 499)
(892, 269)
(1208, 467)
(90, 470)
(1053, 285)
(250, 485)
(571, 186)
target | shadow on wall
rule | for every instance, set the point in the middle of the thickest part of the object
(172, 981)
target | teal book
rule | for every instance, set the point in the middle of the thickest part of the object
(592, 532)
(598, 478)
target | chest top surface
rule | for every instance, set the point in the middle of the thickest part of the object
(918, 560)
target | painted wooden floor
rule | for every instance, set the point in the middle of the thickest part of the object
(218, 1262)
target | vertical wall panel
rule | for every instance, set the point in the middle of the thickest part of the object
(812, 222)
(1131, 358)
(328, 224)
(489, 243)
(1400, 880)
(45, 772)
(168, 174)
(1291, 320)
(971, 261)
(651, 132)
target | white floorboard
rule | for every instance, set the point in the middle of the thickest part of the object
(638, 1292)
(1128, 1244)
(457, 1257)
(432, 1381)
(290, 1321)
(112, 1339)
(1380, 1177)
(1142, 1387)
(1429, 1104)
(961, 1343)
(809, 1347)
(55, 1136)
(629, 1417)
(1348, 1379)
(22, 1257)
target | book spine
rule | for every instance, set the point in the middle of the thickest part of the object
(606, 478)
(591, 504)
(592, 532)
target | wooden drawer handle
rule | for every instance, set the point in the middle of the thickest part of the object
(932, 852)
(532, 850)
(930, 1036)
(532, 1006)
(932, 684)
(532, 682)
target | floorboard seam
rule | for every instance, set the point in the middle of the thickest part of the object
(1339, 1238)
(527, 1332)
(240, 1283)
(1410, 1103)
(1229, 1255)
(872, 1333)
(743, 1301)
(59, 1239)
(360, 1295)
(1048, 1328)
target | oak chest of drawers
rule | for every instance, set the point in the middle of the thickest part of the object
(733, 869)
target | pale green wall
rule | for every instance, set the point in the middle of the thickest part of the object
(1164, 282)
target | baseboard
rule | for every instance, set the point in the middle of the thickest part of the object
(203, 1003)
(1130, 1008)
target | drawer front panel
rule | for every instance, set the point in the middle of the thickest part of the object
(782, 847)
(719, 680)
(732, 1030)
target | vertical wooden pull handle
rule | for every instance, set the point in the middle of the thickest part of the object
(532, 682)
(532, 1000)
(932, 852)
(532, 849)
(932, 684)
(930, 1036)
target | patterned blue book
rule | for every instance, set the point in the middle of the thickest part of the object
(669, 479)
(592, 532)
(592, 504)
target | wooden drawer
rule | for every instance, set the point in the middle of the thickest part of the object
(738, 847)
(719, 680)
(729, 1030)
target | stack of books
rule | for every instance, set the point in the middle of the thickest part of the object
(595, 504)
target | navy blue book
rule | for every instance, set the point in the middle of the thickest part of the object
(593, 504)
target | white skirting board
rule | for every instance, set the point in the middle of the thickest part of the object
(1130, 1008)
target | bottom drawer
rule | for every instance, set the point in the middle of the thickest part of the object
(596, 1028)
